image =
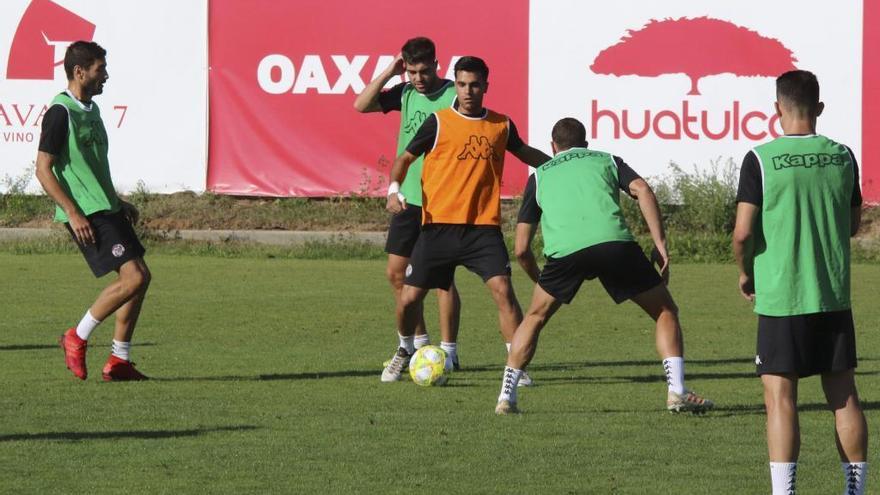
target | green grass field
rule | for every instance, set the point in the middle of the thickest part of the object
(266, 380)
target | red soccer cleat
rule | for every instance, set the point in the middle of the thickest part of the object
(119, 370)
(74, 353)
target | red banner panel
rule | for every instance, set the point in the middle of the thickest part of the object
(870, 166)
(284, 76)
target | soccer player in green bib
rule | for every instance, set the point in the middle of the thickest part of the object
(416, 99)
(73, 168)
(798, 203)
(576, 198)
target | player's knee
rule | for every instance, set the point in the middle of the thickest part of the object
(410, 300)
(537, 317)
(503, 294)
(136, 281)
(395, 277)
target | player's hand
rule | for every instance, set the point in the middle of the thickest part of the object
(130, 212)
(396, 203)
(747, 287)
(660, 257)
(81, 227)
(397, 67)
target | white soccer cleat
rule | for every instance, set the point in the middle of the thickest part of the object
(394, 370)
(505, 407)
(525, 380)
(687, 402)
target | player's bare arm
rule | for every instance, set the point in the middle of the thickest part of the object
(368, 100)
(525, 232)
(396, 202)
(531, 156)
(744, 248)
(78, 222)
(650, 209)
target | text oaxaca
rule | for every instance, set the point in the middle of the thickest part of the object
(278, 74)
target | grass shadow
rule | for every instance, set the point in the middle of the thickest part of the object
(103, 435)
(311, 375)
(758, 409)
(39, 347)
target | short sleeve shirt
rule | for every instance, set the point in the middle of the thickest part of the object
(423, 141)
(751, 190)
(530, 212)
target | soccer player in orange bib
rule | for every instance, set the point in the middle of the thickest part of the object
(463, 148)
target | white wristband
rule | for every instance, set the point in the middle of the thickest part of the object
(394, 187)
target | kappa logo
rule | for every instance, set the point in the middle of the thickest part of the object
(44, 32)
(758, 361)
(698, 48)
(118, 250)
(478, 147)
(807, 160)
(412, 125)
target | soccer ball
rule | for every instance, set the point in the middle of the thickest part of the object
(428, 366)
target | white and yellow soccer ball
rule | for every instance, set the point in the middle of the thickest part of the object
(429, 366)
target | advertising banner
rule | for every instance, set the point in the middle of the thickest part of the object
(284, 77)
(690, 83)
(154, 105)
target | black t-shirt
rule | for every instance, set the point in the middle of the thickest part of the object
(424, 139)
(53, 137)
(751, 189)
(390, 100)
(530, 212)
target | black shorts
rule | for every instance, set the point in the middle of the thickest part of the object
(621, 266)
(806, 344)
(403, 231)
(115, 243)
(441, 248)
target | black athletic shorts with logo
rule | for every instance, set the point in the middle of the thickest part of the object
(115, 243)
(806, 345)
(403, 231)
(621, 266)
(441, 248)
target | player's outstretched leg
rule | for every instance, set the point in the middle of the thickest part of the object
(119, 366)
(450, 318)
(851, 430)
(132, 283)
(395, 272)
(523, 346)
(783, 430)
(658, 304)
(408, 314)
(509, 314)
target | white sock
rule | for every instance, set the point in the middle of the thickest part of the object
(508, 384)
(674, 368)
(421, 340)
(783, 476)
(122, 350)
(86, 326)
(854, 474)
(407, 343)
(451, 350)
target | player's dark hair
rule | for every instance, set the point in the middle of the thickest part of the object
(83, 54)
(800, 89)
(569, 133)
(419, 50)
(474, 65)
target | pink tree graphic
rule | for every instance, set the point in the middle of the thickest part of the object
(696, 47)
